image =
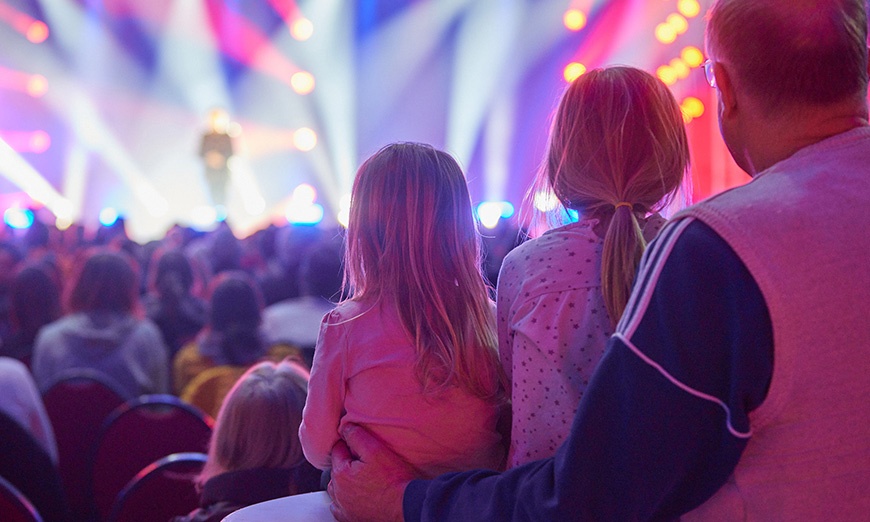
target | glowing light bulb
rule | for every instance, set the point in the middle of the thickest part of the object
(37, 32)
(37, 85)
(680, 24)
(692, 56)
(689, 8)
(573, 71)
(574, 19)
(108, 216)
(304, 139)
(665, 33)
(40, 141)
(62, 222)
(667, 74)
(302, 82)
(18, 218)
(680, 68)
(693, 107)
(301, 29)
(304, 195)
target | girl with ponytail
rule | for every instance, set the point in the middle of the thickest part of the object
(617, 155)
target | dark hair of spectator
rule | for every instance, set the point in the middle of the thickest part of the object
(235, 311)
(108, 281)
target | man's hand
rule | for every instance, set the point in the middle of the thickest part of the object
(368, 479)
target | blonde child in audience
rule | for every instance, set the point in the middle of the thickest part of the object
(617, 155)
(411, 354)
(254, 453)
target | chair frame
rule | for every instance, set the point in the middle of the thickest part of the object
(152, 472)
(25, 508)
(102, 502)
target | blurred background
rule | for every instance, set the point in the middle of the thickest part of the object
(258, 112)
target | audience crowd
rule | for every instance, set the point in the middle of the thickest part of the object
(618, 366)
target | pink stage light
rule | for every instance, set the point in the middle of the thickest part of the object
(240, 40)
(300, 27)
(35, 142)
(35, 85)
(34, 30)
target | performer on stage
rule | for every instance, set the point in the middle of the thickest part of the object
(216, 150)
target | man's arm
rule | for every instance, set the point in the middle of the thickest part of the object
(665, 418)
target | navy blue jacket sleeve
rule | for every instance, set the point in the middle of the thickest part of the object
(665, 417)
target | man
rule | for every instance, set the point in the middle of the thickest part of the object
(735, 386)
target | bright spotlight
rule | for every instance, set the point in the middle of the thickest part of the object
(689, 8)
(37, 32)
(62, 222)
(574, 19)
(204, 217)
(489, 213)
(108, 216)
(304, 195)
(692, 56)
(301, 29)
(665, 33)
(304, 139)
(573, 71)
(302, 82)
(18, 217)
(304, 215)
(545, 201)
(37, 85)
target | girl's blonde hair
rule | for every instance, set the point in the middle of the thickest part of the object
(258, 423)
(618, 149)
(412, 238)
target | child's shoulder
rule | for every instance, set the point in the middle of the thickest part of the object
(554, 242)
(349, 311)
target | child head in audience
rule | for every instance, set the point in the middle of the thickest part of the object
(617, 151)
(107, 282)
(258, 423)
(235, 313)
(412, 239)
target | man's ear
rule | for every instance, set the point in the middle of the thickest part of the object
(726, 88)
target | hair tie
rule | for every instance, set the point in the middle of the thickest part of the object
(623, 204)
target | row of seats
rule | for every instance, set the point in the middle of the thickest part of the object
(105, 442)
(160, 491)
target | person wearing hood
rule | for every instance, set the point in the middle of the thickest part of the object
(104, 332)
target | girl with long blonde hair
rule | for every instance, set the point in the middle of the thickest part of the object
(411, 354)
(617, 154)
(254, 453)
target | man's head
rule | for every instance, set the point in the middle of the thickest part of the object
(789, 53)
(788, 72)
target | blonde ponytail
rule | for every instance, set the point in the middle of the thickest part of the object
(623, 247)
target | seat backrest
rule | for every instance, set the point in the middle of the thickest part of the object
(138, 433)
(164, 489)
(207, 390)
(77, 405)
(25, 464)
(14, 506)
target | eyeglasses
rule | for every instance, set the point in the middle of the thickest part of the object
(708, 72)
